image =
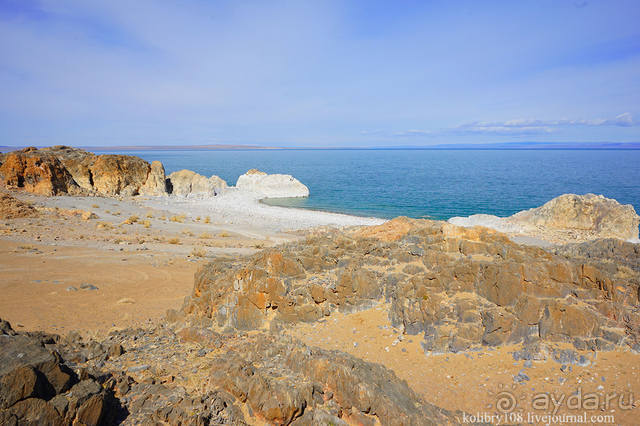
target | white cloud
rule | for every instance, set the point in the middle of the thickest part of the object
(543, 126)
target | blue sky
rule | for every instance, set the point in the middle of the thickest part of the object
(318, 73)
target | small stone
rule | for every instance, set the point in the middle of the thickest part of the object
(520, 377)
(138, 368)
(71, 288)
(87, 286)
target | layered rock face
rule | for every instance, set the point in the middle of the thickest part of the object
(565, 219)
(186, 182)
(65, 170)
(461, 288)
(271, 186)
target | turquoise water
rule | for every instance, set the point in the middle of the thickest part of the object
(426, 183)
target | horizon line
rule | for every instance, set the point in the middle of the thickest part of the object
(453, 146)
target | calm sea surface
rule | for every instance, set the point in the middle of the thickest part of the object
(426, 183)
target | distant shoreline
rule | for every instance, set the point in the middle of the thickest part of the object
(453, 147)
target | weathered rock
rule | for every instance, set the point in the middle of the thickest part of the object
(271, 186)
(282, 379)
(12, 208)
(36, 171)
(187, 182)
(460, 287)
(564, 219)
(36, 387)
(156, 183)
(608, 254)
(601, 217)
(66, 170)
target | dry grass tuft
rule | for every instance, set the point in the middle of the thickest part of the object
(207, 219)
(173, 241)
(178, 218)
(131, 220)
(198, 252)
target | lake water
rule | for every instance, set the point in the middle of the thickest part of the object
(437, 184)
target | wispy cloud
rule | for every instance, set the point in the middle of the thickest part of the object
(531, 126)
(510, 127)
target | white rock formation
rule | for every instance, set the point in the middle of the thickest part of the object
(271, 186)
(189, 183)
(567, 218)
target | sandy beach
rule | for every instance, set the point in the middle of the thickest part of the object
(140, 253)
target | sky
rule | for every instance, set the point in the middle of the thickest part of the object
(318, 73)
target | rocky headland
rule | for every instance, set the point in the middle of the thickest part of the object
(296, 317)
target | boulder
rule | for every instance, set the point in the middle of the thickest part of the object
(105, 174)
(594, 214)
(271, 186)
(36, 171)
(281, 379)
(119, 174)
(65, 170)
(156, 183)
(568, 218)
(186, 183)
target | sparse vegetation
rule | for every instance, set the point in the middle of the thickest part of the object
(198, 219)
(131, 220)
(178, 218)
(173, 241)
(149, 215)
(206, 236)
(224, 235)
(198, 252)
(207, 219)
(95, 206)
(146, 224)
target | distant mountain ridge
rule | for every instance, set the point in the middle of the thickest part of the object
(481, 146)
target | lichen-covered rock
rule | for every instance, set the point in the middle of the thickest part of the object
(271, 186)
(189, 183)
(460, 287)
